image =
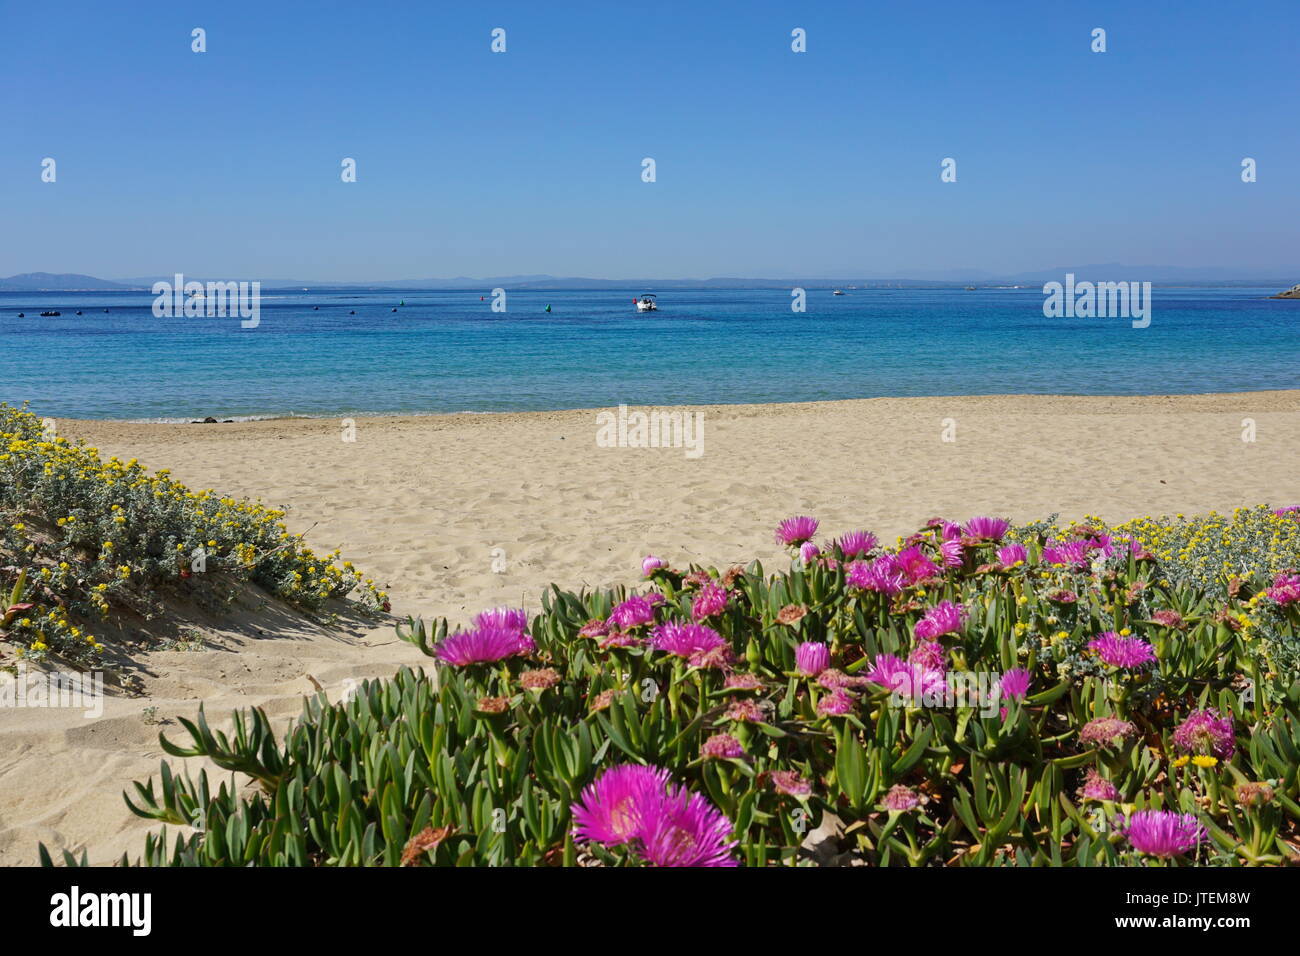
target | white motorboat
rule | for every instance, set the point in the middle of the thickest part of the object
(646, 303)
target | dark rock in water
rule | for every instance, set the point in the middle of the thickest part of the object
(315, 308)
(394, 310)
(106, 311)
(353, 312)
(207, 421)
(228, 421)
(60, 313)
(78, 312)
(22, 315)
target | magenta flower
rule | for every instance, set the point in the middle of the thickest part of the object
(951, 531)
(789, 782)
(666, 824)
(1106, 732)
(1293, 510)
(594, 628)
(857, 543)
(722, 747)
(944, 618)
(835, 704)
(951, 553)
(1204, 732)
(651, 564)
(900, 798)
(1127, 653)
(1285, 589)
(1015, 684)
(685, 640)
(909, 680)
(833, 679)
(915, 566)
(635, 611)
(610, 807)
(1074, 554)
(987, 529)
(481, 645)
(1163, 833)
(1009, 555)
(883, 575)
(507, 617)
(930, 655)
(808, 552)
(811, 658)
(711, 600)
(684, 829)
(795, 531)
(1097, 787)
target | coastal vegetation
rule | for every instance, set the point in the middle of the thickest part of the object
(89, 546)
(976, 693)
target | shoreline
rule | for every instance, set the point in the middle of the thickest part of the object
(1280, 395)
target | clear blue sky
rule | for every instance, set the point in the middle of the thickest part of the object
(770, 163)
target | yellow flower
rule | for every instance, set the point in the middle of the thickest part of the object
(1179, 762)
(1203, 761)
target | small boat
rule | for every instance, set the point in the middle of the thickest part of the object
(970, 288)
(837, 292)
(646, 303)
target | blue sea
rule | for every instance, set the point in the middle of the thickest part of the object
(446, 351)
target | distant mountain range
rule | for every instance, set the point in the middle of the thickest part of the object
(1108, 272)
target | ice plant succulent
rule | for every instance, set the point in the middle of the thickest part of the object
(1205, 733)
(855, 544)
(811, 658)
(1163, 833)
(944, 618)
(793, 532)
(987, 529)
(664, 823)
(1126, 653)
(482, 645)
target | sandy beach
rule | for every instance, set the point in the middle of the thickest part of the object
(457, 513)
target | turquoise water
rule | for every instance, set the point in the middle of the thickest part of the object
(448, 352)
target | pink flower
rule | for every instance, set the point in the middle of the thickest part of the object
(482, 645)
(951, 552)
(1205, 733)
(856, 543)
(1010, 555)
(650, 564)
(594, 628)
(930, 655)
(908, 680)
(1285, 589)
(811, 658)
(900, 798)
(835, 704)
(795, 531)
(685, 640)
(1106, 732)
(1071, 553)
(915, 566)
(987, 529)
(1015, 683)
(635, 611)
(1127, 653)
(722, 747)
(1163, 833)
(789, 782)
(1097, 787)
(745, 711)
(944, 618)
(742, 682)
(711, 600)
(882, 575)
(808, 552)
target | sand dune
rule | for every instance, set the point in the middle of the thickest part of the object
(457, 513)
